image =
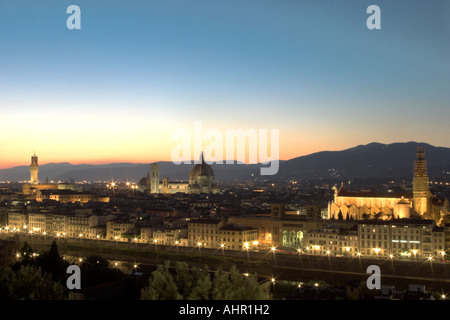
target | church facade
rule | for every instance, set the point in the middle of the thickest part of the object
(201, 180)
(365, 205)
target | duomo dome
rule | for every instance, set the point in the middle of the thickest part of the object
(201, 178)
(201, 169)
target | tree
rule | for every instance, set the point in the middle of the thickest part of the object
(96, 270)
(221, 285)
(51, 262)
(30, 283)
(161, 285)
(184, 279)
(26, 254)
(196, 284)
(243, 287)
(6, 274)
(203, 285)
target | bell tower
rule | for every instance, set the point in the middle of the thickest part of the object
(154, 187)
(421, 188)
(34, 169)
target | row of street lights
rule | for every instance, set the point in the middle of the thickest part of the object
(246, 245)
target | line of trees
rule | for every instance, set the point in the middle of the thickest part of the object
(182, 283)
(43, 277)
(34, 277)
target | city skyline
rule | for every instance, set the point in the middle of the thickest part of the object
(117, 89)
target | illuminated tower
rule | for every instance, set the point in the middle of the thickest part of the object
(34, 169)
(421, 189)
(154, 178)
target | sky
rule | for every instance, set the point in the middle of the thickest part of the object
(117, 89)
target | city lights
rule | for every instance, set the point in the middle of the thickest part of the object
(291, 237)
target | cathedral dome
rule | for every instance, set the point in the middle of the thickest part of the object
(143, 182)
(201, 169)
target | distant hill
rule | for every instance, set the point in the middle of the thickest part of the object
(374, 160)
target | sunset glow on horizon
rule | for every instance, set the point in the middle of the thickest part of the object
(117, 89)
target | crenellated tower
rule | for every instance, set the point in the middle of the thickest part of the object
(34, 169)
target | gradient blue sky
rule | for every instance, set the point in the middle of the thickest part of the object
(137, 70)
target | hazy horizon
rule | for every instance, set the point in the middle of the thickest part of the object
(145, 163)
(136, 71)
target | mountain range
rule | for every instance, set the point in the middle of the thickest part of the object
(374, 160)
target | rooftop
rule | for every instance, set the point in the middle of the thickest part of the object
(205, 221)
(233, 227)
